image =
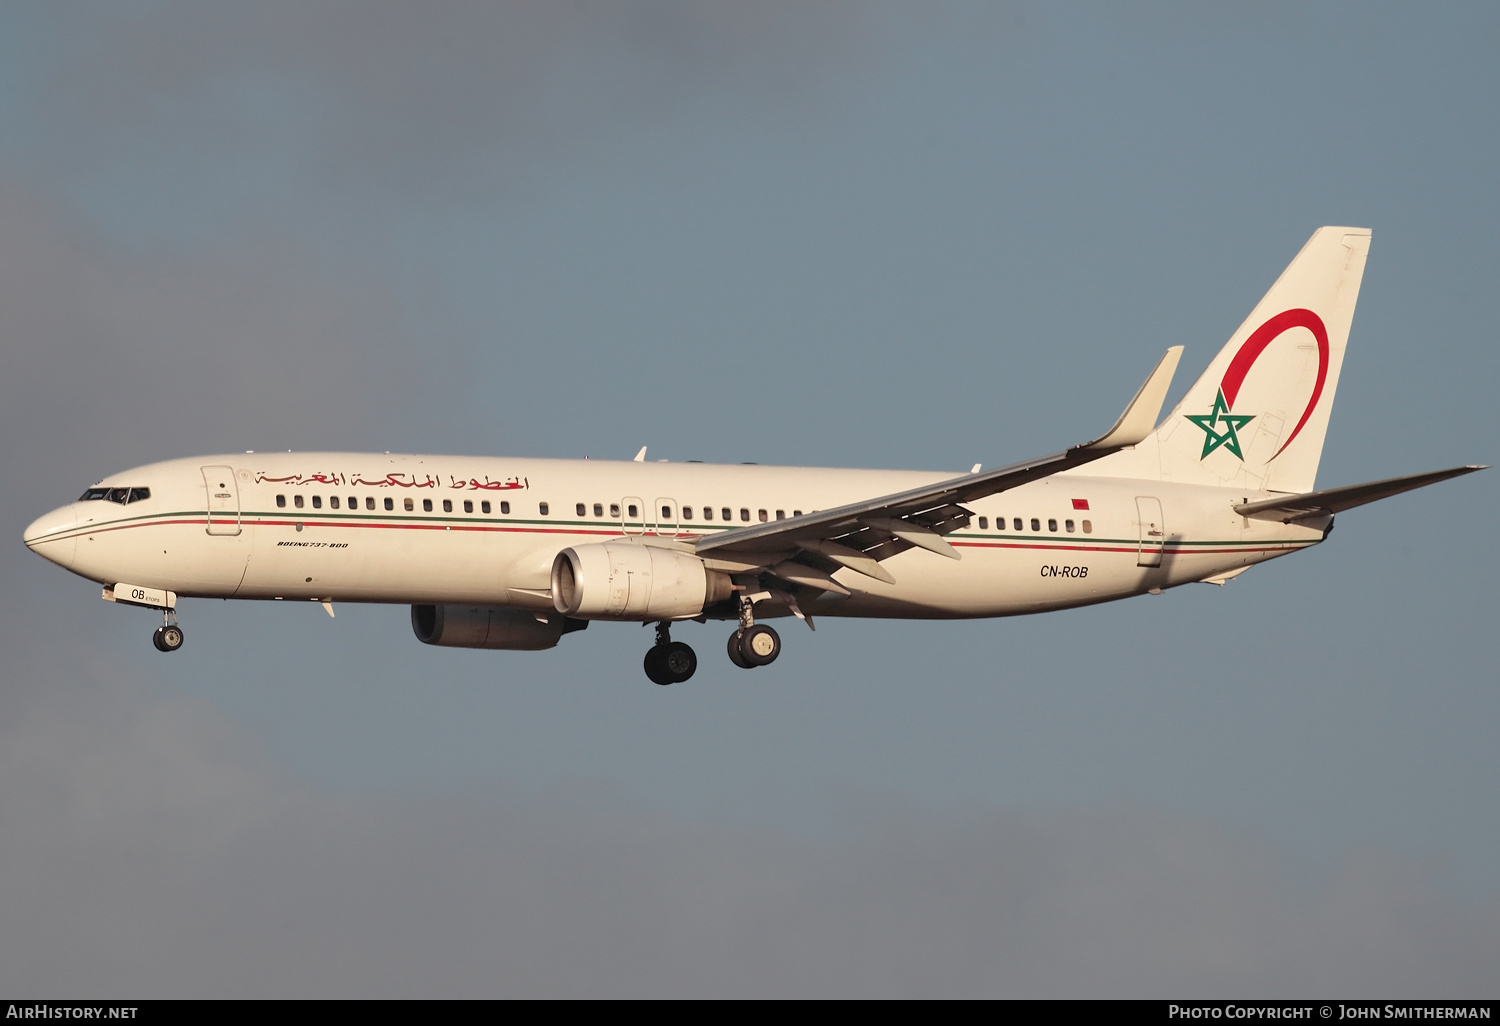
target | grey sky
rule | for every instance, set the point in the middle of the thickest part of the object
(857, 235)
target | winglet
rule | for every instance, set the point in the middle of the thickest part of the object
(1139, 417)
(640, 457)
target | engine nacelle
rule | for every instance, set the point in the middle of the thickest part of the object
(480, 627)
(634, 582)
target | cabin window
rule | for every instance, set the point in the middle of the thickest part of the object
(1088, 527)
(281, 501)
(745, 515)
(137, 494)
(781, 514)
(1015, 525)
(354, 502)
(468, 505)
(447, 505)
(796, 512)
(687, 512)
(598, 509)
(333, 502)
(542, 507)
(580, 510)
(317, 502)
(1036, 525)
(666, 513)
(369, 502)
(504, 507)
(631, 511)
(426, 505)
(1069, 525)
(762, 514)
(390, 503)
(297, 501)
(708, 512)
(118, 495)
(614, 509)
(984, 523)
(484, 507)
(724, 514)
(410, 506)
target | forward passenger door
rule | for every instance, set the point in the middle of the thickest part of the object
(223, 500)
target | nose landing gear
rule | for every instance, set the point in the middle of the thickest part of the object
(167, 637)
(668, 661)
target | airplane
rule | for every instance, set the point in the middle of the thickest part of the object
(516, 553)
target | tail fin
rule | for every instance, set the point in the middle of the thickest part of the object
(1257, 417)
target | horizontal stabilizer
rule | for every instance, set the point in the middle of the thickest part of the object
(1287, 508)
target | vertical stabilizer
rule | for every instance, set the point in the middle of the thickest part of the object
(1257, 417)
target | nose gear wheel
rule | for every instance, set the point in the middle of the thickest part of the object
(167, 637)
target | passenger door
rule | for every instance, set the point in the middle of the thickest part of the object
(223, 500)
(632, 515)
(665, 511)
(1153, 532)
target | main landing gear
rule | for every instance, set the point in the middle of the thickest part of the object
(754, 644)
(671, 662)
(167, 637)
(668, 661)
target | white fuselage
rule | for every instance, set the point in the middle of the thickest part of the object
(355, 527)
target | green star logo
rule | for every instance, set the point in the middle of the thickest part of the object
(1221, 418)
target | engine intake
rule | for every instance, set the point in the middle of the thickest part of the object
(493, 627)
(634, 582)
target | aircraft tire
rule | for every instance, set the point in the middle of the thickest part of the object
(168, 638)
(759, 645)
(735, 656)
(679, 661)
(656, 665)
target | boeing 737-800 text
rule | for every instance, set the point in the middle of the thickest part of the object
(516, 553)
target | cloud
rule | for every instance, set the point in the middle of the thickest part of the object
(110, 360)
(151, 849)
(396, 95)
(112, 356)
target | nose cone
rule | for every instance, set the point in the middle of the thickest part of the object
(51, 536)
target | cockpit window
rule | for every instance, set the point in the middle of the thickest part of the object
(123, 496)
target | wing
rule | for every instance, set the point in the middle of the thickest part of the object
(1287, 508)
(806, 550)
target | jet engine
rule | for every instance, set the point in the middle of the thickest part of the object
(634, 582)
(480, 627)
